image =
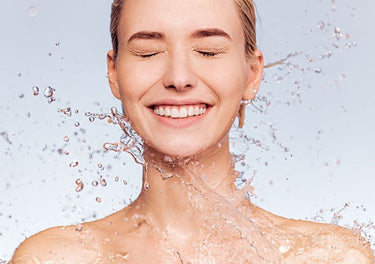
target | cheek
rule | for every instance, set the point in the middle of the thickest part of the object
(227, 78)
(135, 79)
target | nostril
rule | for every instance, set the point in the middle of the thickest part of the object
(179, 87)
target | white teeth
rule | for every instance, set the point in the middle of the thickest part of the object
(179, 112)
(190, 111)
(183, 112)
(175, 113)
(196, 110)
(167, 111)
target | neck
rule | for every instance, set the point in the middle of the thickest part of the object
(213, 169)
(173, 187)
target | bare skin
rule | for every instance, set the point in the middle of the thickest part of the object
(136, 234)
(113, 240)
(194, 56)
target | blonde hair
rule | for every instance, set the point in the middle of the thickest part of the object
(246, 12)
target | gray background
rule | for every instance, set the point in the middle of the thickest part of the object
(314, 157)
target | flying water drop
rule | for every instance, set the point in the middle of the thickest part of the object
(73, 164)
(35, 90)
(79, 186)
(49, 92)
(103, 182)
(66, 111)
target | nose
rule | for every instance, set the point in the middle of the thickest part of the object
(179, 74)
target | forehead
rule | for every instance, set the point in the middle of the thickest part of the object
(180, 16)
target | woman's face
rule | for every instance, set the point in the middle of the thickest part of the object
(181, 72)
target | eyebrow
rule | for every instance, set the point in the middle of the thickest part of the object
(209, 32)
(147, 35)
(200, 33)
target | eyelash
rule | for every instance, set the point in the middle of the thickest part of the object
(209, 54)
(145, 56)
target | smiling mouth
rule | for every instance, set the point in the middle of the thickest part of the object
(181, 111)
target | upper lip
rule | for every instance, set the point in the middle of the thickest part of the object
(180, 102)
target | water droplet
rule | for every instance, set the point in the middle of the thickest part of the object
(351, 45)
(100, 166)
(94, 183)
(337, 33)
(91, 119)
(57, 44)
(103, 182)
(33, 11)
(124, 182)
(76, 124)
(117, 178)
(51, 100)
(66, 139)
(35, 90)
(66, 111)
(49, 92)
(116, 147)
(318, 70)
(79, 186)
(98, 199)
(73, 164)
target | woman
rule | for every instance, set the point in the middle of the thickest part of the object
(181, 69)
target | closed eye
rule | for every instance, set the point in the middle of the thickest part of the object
(208, 53)
(148, 55)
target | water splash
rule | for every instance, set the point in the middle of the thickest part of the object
(261, 103)
(130, 142)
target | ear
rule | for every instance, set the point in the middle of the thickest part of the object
(112, 74)
(255, 75)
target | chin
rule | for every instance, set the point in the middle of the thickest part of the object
(174, 151)
(182, 151)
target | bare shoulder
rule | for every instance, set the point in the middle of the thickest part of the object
(320, 243)
(67, 244)
(92, 242)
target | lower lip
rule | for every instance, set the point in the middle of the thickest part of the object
(179, 122)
